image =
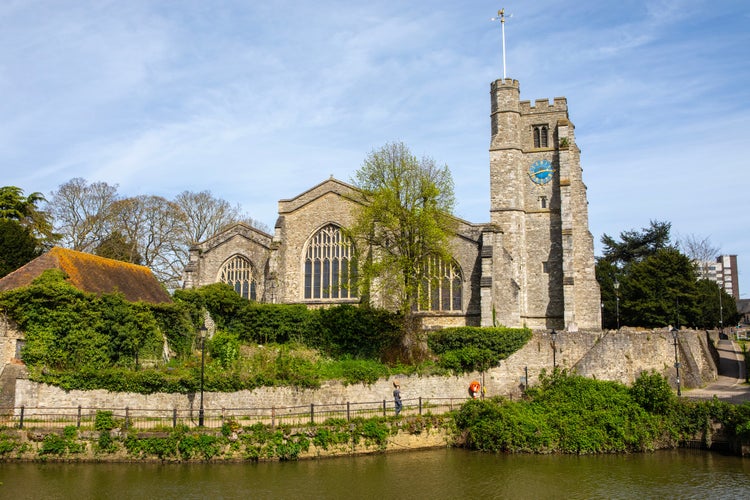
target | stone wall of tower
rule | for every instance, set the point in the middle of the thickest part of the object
(581, 290)
(507, 278)
(541, 266)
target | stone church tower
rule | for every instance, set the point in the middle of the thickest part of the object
(537, 252)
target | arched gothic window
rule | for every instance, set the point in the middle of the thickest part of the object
(442, 288)
(238, 273)
(330, 265)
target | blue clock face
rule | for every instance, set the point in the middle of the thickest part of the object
(541, 171)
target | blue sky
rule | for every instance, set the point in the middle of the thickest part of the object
(259, 101)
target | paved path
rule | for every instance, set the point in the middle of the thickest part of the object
(730, 385)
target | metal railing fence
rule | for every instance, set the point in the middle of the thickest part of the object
(27, 417)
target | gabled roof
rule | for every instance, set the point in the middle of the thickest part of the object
(91, 273)
(331, 185)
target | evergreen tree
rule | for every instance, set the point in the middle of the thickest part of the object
(17, 246)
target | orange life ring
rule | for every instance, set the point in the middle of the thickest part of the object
(474, 388)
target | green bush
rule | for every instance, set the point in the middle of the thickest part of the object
(349, 331)
(653, 393)
(468, 348)
(565, 413)
(224, 347)
(104, 421)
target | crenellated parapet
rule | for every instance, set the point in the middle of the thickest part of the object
(558, 105)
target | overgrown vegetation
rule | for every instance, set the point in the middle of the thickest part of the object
(465, 349)
(77, 340)
(573, 414)
(234, 441)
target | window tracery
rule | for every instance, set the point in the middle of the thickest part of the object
(238, 273)
(442, 288)
(330, 265)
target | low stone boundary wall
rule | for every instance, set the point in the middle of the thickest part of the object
(611, 355)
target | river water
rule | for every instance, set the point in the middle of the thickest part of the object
(434, 474)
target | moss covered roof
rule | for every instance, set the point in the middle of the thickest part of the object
(91, 273)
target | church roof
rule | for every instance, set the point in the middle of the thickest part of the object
(91, 273)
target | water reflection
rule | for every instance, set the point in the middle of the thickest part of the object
(435, 474)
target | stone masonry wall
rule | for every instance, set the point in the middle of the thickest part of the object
(618, 356)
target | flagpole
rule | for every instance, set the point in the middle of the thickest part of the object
(502, 26)
(501, 18)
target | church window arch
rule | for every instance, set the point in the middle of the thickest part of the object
(442, 287)
(238, 272)
(330, 265)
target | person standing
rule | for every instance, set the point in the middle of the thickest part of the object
(397, 396)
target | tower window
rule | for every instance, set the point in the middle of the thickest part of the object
(541, 133)
(545, 267)
(543, 201)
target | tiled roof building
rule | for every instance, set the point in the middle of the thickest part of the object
(94, 274)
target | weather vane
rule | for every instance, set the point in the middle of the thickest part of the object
(501, 17)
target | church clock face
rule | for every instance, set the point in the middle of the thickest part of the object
(541, 172)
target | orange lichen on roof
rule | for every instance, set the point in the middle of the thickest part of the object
(92, 273)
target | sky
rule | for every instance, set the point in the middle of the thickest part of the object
(259, 101)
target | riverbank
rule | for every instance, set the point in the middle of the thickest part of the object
(231, 443)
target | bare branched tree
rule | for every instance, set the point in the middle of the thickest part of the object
(81, 212)
(150, 230)
(701, 251)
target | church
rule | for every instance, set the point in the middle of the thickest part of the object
(531, 265)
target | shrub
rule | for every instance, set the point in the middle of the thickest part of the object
(224, 347)
(652, 392)
(104, 421)
(464, 349)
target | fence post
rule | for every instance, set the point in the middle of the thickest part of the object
(223, 410)
(20, 422)
(174, 417)
(312, 413)
(273, 417)
(78, 419)
(348, 414)
(420, 405)
(384, 407)
(127, 418)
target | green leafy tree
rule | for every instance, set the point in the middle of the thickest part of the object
(404, 221)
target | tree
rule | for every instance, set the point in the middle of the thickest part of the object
(614, 266)
(17, 246)
(700, 251)
(82, 212)
(146, 229)
(637, 245)
(405, 220)
(716, 307)
(660, 290)
(116, 247)
(204, 215)
(23, 209)
(151, 225)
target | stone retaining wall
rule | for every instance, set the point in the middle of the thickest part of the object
(618, 356)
